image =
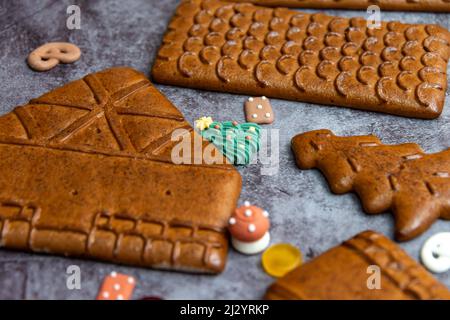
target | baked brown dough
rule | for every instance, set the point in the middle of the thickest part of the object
(415, 186)
(258, 51)
(86, 171)
(342, 273)
(402, 5)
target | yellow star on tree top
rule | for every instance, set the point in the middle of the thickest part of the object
(203, 123)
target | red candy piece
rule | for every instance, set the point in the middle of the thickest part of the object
(117, 286)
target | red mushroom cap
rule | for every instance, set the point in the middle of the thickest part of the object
(249, 223)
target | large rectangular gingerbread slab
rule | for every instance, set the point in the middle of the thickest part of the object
(367, 267)
(403, 5)
(238, 47)
(86, 170)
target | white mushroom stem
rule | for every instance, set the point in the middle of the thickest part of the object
(251, 247)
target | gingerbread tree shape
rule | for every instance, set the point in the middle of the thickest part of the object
(400, 178)
(254, 50)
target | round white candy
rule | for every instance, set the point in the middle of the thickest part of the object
(435, 254)
(232, 221)
(267, 115)
(250, 99)
(248, 213)
(259, 106)
(251, 228)
(254, 116)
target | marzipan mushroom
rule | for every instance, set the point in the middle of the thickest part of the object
(249, 229)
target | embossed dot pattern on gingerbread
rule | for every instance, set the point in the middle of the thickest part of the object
(404, 5)
(238, 47)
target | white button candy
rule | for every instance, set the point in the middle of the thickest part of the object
(435, 253)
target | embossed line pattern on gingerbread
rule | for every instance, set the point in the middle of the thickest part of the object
(403, 5)
(87, 171)
(106, 113)
(402, 179)
(238, 47)
(114, 237)
(341, 273)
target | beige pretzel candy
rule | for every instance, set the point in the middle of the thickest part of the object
(49, 55)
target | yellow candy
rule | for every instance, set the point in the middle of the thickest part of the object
(280, 259)
(203, 123)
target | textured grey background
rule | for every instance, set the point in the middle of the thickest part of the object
(303, 210)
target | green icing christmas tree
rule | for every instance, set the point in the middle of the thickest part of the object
(238, 142)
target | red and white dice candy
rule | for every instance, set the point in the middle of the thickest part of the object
(117, 286)
(249, 229)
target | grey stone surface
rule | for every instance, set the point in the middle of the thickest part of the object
(303, 210)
